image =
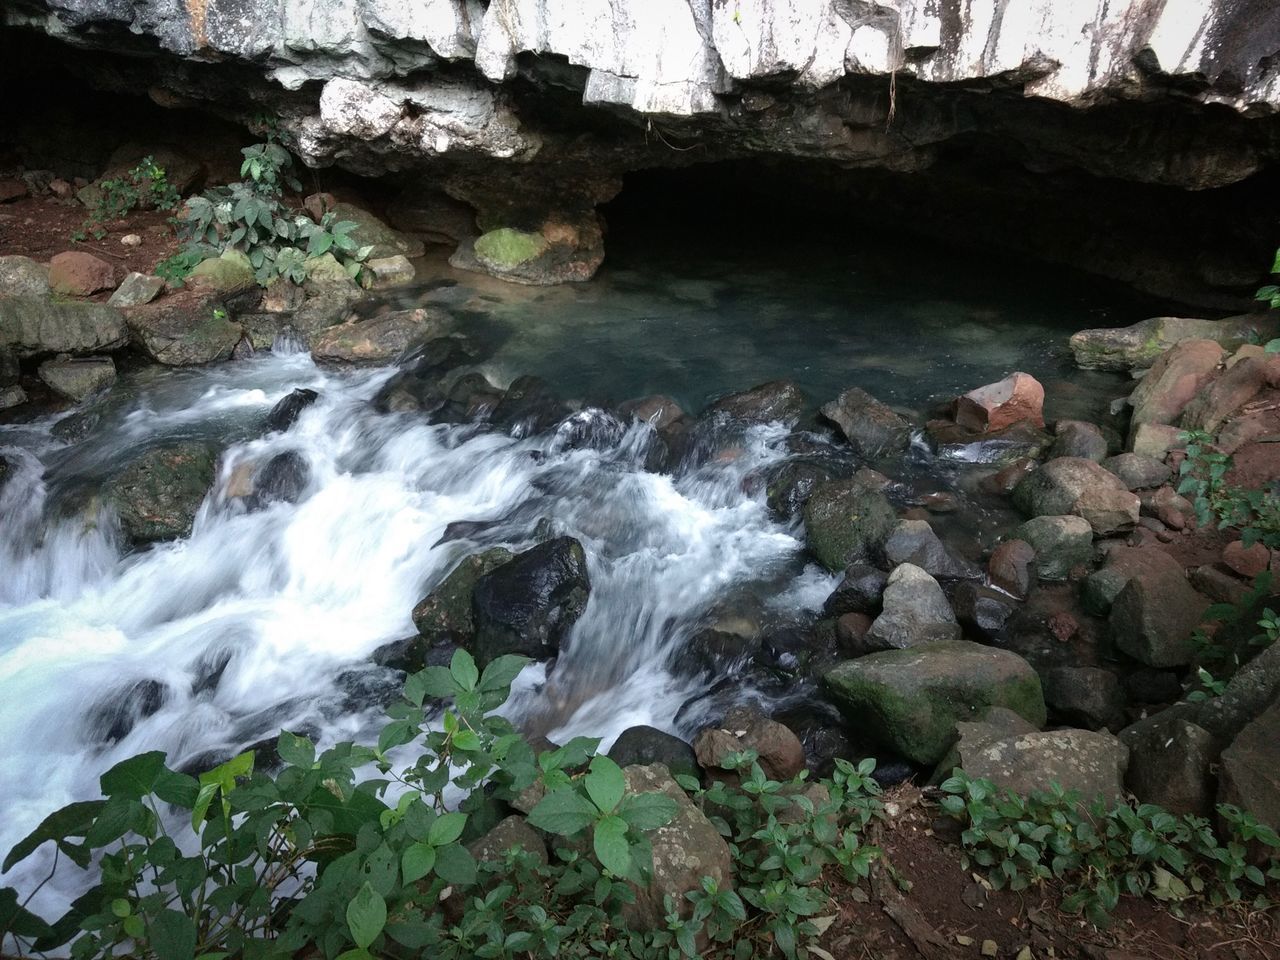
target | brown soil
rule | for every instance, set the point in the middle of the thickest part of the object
(949, 912)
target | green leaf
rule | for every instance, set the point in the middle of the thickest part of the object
(133, 778)
(455, 864)
(176, 788)
(502, 672)
(17, 920)
(173, 936)
(446, 829)
(1273, 346)
(436, 682)
(563, 812)
(605, 784)
(366, 916)
(647, 811)
(200, 808)
(299, 751)
(463, 669)
(610, 844)
(73, 820)
(417, 861)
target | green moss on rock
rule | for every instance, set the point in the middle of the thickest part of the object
(507, 247)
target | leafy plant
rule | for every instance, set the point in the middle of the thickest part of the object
(1100, 854)
(177, 268)
(145, 185)
(1203, 471)
(1270, 294)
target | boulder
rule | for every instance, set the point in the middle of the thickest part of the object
(394, 271)
(445, 613)
(282, 479)
(685, 851)
(1060, 543)
(1012, 568)
(1018, 398)
(1078, 438)
(1085, 696)
(1073, 485)
(982, 610)
(30, 326)
(157, 494)
(1250, 769)
(135, 290)
(287, 410)
(846, 523)
(79, 378)
(915, 612)
(1157, 439)
(872, 429)
(1103, 585)
(1248, 561)
(1092, 764)
(910, 700)
(23, 277)
(1235, 387)
(506, 249)
(1154, 615)
(914, 542)
(790, 485)
(1108, 511)
(224, 275)
(859, 592)
(79, 274)
(325, 271)
(776, 401)
(370, 231)
(182, 334)
(1176, 377)
(382, 338)
(991, 724)
(528, 407)
(644, 745)
(951, 441)
(1250, 691)
(1138, 472)
(1169, 764)
(510, 833)
(527, 605)
(778, 750)
(1140, 345)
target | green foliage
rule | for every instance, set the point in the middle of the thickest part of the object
(1270, 294)
(177, 268)
(250, 216)
(1255, 512)
(144, 186)
(1099, 853)
(315, 860)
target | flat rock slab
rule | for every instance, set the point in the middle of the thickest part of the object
(30, 325)
(78, 379)
(1092, 764)
(135, 290)
(23, 277)
(380, 339)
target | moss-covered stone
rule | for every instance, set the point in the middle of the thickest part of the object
(157, 495)
(228, 273)
(445, 613)
(911, 700)
(507, 247)
(845, 522)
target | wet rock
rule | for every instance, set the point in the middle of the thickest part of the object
(77, 426)
(510, 833)
(685, 851)
(910, 700)
(1092, 764)
(78, 379)
(914, 542)
(10, 371)
(659, 411)
(1012, 568)
(527, 605)
(282, 479)
(1078, 438)
(182, 333)
(114, 718)
(1073, 485)
(380, 339)
(29, 325)
(779, 751)
(846, 523)
(951, 441)
(283, 296)
(1085, 696)
(1060, 544)
(12, 396)
(915, 612)
(135, 290)
(982, 610)
(1153, 617)
(471, 398)
(1172, 382)
(1138, 472)
(23, 277)
(712, 652)
(287, 410)
(78, 274)
(1102, 586)
(394, 271)
(1140, 345)
(1169, 764)
(1213, 404)
(859, 592)
(224, 275)
(445, 613)
(1018, 398)
(1250, 772)
(529, 407)
(643, 745)
(158, 493)
(776, 401)
(872, 429)
(791, 485)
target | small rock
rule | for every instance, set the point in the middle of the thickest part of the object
(1138, 472)
(392, 271)
(1246, 561)
(846, 523)
(990, 948)
(287, 410)
(1060, 544)
(915, 612)
(78, 274)
(1012, 568)
(1018, 398)
(940, 502)
(643, 745)
(12, 396)
(776, 401)
(1157, 439)
(79, 378)
(135, 289)
(780, 752)
(982, 609)
(1063, 626)
(859, 592)
(61, 189)
(1078, 438)
(1153, 617)
(131, 240)
(23, 277)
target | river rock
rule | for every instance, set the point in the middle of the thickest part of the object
(23, 277)
(445, 613)
(158, 493)
(991, 724)
(29, 325)
(371, 231)
(1092, 764)
(1018, 441)
(915, 612)
(10, 370)
(394, 271)
(224, 275)
(380, 339)
(510, 833)
(1231, 390)
(859, 592)
(527, 605)
(779, 751)
(914, 542)
(1078, 438)
(1250, 770)
(1085, 696)
(182, 333)
(287, 410)
(1060, 543)
(78, 274)
(1103, 585)
(685, 851)
(776, 401)
(135, 290)
(1138, 472)
(79, 378)
(1140, 345)
(983, 610)
(846, 523)
(1012, 568)
(1157, 439)
(791, 484)
(529, 407)
(872, 429)
(1074, 485)
(282, 479)
(471, 398)
(910, 700)
(1173, 381)
(1169, 764)
(644, 745)
(1018, 398)
(1153, 617)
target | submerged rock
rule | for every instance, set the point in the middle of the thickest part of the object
(529, 407)
(287, 410)
(790, 486)
(846, 523)
(157, 494)
(1019, 441)
(776, 401)
(872, 429)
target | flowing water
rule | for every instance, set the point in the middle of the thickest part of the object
(266, 619)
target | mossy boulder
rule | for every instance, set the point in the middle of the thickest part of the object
(1140, 345)
(226, 274)
(179, 333)
(911, 700)
(445, 613)
(156, 495)
(506, 247)
(846, 522)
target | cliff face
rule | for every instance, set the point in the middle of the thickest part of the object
(522, 104)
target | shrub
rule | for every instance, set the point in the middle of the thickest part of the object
(1255, 512)
(145, 186)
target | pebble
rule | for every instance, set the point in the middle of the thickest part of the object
(963, 940)
(1024, 954)
(989, 948)
(131, 240)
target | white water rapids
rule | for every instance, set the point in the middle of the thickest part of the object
(266, 620)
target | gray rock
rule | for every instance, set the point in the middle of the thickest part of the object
(1060, 544)
(982, 610)
(80, 378)
(778, 400)
(1103, 585)
(135, 290)
(872, 429)
(12, 396)
(859, 592)
(32, 326)
(1153, 617)
(913, 541)
(1086, 696)
(1250, 775)
(1093, 764)
(158, 493)
(1138, 472)
(445, 613)
(1074, 485)
(846, 523)
(1140, 345)
(23, 277)
(380, 339)
(1169, 764)
(1078, 438)
(994, 723)
(643, 745)
(391, 271)
(371, 231)
(183, 334)
(915, 612)
(10, 371)
(791, 484)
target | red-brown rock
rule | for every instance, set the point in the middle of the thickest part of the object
(1173, 381)
(1012, 567)
(1246, 561)
(1017, 398)
(78, 274)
